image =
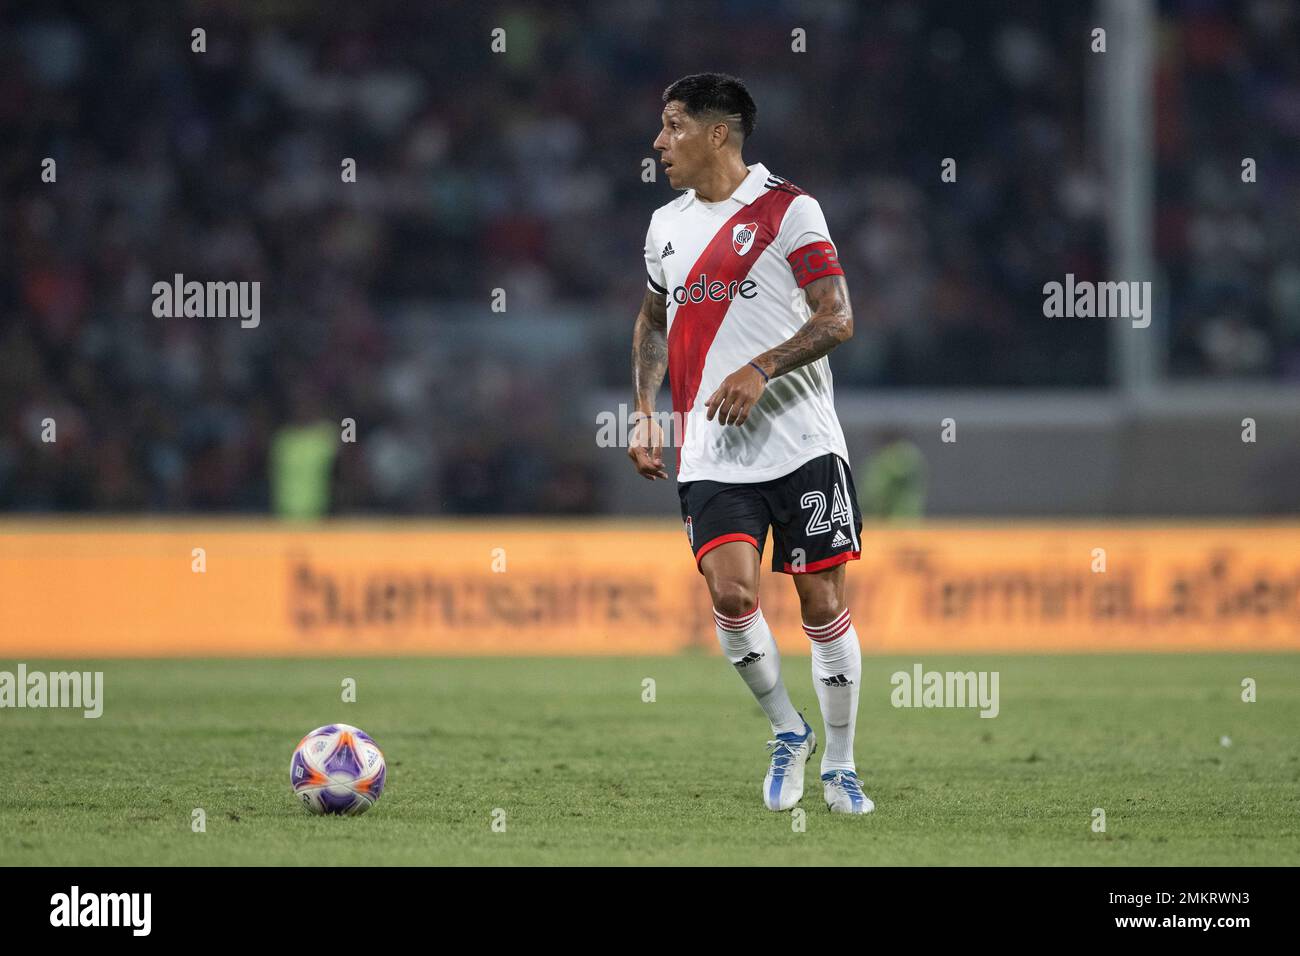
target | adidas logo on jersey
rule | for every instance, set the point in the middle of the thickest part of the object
(668, 251)
(750, 658)
(839, 540)
(839, 680)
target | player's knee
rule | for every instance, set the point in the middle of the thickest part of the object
(734, 597)
(820, 607)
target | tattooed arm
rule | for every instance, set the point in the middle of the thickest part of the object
(831, 324)
(649, 362)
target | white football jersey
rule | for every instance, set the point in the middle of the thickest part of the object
(733, 274)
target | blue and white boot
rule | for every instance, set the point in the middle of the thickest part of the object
(783, 785)
(844, 793)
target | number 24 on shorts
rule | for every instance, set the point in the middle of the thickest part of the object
(840, 511)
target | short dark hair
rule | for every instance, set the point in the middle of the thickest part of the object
(707, 95)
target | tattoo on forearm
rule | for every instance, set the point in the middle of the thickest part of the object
(649, 348)
(831, 324)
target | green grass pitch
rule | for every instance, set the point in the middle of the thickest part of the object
(586, 772)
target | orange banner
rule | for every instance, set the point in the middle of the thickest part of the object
(233, 588)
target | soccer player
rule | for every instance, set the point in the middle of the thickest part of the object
(745, 299)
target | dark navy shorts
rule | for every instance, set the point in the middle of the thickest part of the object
(813, 513)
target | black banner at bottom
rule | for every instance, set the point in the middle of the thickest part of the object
(266, 905)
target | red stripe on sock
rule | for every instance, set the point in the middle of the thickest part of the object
(829, 625)
(735, 623)
(824, 633)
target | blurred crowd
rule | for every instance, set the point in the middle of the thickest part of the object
(1229, 251)
(522, 171)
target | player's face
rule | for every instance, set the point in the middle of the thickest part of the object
(683, 146)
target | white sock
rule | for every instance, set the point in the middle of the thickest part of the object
(837, 677)
(748, 643)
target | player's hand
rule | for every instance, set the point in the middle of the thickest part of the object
(645, 447)
(736, 396)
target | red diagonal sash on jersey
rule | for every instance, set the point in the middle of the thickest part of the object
(696, 323)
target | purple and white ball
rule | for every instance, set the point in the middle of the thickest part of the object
(337, 769)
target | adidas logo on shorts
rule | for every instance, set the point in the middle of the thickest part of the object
(839, 540)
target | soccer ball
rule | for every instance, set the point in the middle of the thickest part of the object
(337, 769)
